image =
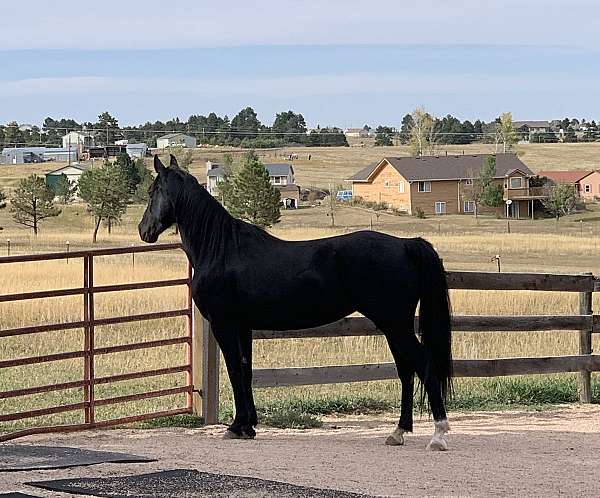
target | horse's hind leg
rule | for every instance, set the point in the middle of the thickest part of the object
(407, 379)
(417, 354)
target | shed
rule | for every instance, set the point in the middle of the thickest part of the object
(175, 140)
(73, 173)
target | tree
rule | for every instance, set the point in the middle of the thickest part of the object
(483, 190)
(245, 124)
(33, 202)
(422, 134)
(332, 204)
(106, 192)
(561, 200)
(289, 127)
(64, 189)
(384, 135)
(252, 197)
(407, 124)
(506, 131)
(146, 178)
(108, 126)
(129, 171)
(2, 199)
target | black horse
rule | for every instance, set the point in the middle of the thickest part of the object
(246, 279)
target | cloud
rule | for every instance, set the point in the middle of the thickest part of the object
(294, 86)
(192, 23)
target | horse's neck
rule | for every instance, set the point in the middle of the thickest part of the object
(204, 225)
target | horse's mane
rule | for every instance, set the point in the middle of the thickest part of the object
(210, 229)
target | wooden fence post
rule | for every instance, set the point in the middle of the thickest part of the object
(585, 347)
(205, 371)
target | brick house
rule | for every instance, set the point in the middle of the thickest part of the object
(585, 182)
(440, 184)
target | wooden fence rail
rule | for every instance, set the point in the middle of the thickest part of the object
(585, 322)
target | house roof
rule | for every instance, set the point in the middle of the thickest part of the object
(531, 124)
(444, 167)
(290, 187)
(81, 167)
(572, 176)
(174, 135)
(217, 172)
(279, 169)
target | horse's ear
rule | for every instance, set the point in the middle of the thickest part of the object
(159, 167)
(174, 163)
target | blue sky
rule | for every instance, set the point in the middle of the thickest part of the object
(339, 63)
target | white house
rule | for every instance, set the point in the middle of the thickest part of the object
(214, 175)
(356, 133)
(73, 173)
(136, 150)
(175, 140)
(80, 139)
(280, 175)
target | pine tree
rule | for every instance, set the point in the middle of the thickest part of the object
(251, 195)
(106, 192)
(64, 189)
(129, 171)
(33, 202)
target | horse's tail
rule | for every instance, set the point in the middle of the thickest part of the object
(435, 314)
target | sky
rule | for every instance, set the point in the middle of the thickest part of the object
(345, 63)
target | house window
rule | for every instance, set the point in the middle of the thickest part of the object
(277, 180)
(386, 183)
(440, 208)
(469, 181)
(516, 182)
(588, 189)
(424, 186)
(469, 207)
(401, 187)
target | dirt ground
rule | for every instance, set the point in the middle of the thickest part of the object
(549, 453)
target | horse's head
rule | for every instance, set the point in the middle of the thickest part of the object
(160, 212)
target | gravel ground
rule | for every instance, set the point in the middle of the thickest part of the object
(493, 454)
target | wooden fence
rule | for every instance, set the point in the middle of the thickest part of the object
(202, 360)
(585, 323)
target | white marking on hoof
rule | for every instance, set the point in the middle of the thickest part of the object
(438, 441)
(396, 438)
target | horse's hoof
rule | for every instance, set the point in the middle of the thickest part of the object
(396, 438)
(437, 444)
(234, 435)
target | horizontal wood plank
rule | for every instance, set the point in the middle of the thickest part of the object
(276, 377)
(361, 326)
(520, 281)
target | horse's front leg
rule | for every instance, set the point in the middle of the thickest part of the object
(228, 336)
(246, 340)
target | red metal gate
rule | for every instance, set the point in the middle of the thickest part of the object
(89, 380)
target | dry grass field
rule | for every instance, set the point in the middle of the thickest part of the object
(541, 245)
(333, 165)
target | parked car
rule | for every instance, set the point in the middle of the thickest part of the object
(344, 195)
